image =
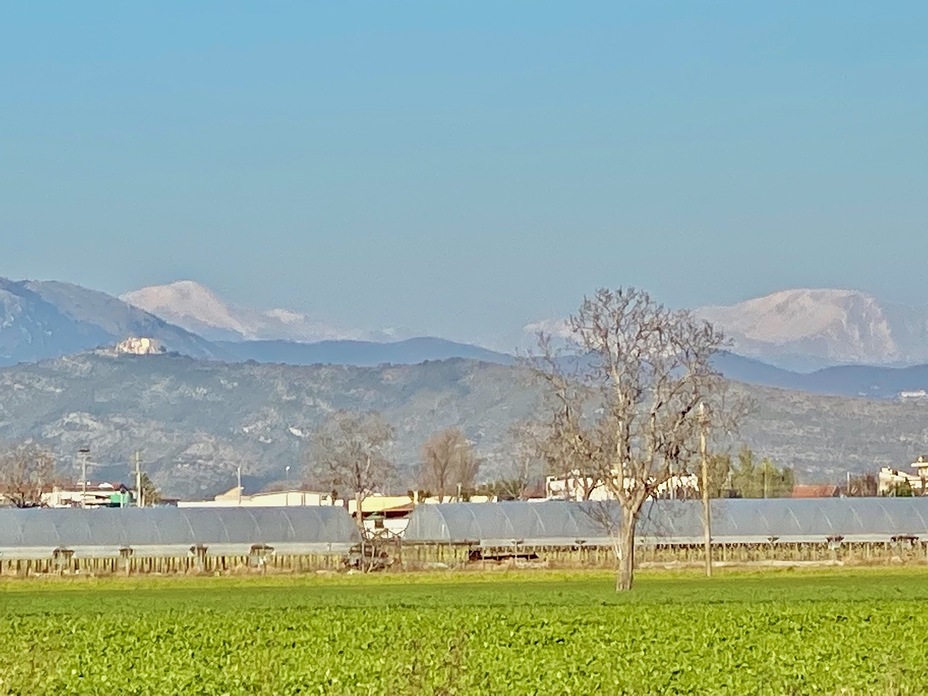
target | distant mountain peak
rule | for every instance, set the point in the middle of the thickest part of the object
(199, 309)
(191, 305)
(812, 327)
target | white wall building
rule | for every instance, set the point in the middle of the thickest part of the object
(233, 498)
(891, 479)
(577, 487)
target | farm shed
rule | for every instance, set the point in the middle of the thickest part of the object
(169, 531)
(734, 521)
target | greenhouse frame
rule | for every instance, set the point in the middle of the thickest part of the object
(734, 521)
(169, 531)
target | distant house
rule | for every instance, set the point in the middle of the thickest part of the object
(815, 490)
(234, 497)
(892, 481)
(579, 487)
(94, 494)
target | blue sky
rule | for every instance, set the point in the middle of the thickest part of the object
(465, 168)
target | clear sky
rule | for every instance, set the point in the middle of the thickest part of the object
(463, 168)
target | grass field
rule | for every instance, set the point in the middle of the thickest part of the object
(841, 631)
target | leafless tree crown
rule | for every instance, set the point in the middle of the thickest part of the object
(629, 395)
(349, 454)
(448, 461)
(26, 472)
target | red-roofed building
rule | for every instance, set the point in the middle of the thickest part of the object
(815, 490)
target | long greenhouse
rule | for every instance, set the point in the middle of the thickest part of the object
(168, 531)
(734, 521)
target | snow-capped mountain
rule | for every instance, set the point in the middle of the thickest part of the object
(806, 329)
(198, 309)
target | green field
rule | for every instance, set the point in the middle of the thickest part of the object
(844, 631)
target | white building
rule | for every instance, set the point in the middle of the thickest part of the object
(891, 479)
(139, 346)
(234, 498)
(577, 487)
(92, 495)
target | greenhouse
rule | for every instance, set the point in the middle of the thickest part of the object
(169, 531)
(734, 521)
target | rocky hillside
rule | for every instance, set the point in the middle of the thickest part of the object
(196, 421)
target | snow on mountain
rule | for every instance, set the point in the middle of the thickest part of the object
(197, 308)
(190, 305)
(807, 328)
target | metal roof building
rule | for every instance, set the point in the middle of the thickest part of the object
(167, 531)
(734, 521)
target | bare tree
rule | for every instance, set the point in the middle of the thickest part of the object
(627, 405)
(527, 461)
(27, 471)
(448, 464)
(864, 485)
(149, 494)
(349, 456)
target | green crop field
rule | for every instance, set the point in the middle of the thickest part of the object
(843, 631)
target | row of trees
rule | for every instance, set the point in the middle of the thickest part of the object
(746, 478)
(350, 456)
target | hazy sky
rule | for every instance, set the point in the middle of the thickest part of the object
(465, 168)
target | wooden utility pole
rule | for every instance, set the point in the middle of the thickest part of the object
(706, 511)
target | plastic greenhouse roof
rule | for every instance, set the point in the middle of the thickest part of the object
(673, 521)
(169, 530)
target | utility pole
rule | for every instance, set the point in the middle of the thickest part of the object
(706, 511)
(83, 452)
(138, 479)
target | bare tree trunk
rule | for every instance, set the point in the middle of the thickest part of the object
(626, 548)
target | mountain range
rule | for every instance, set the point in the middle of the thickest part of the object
(47, 319)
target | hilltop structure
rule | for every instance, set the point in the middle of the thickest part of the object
(139, 346)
